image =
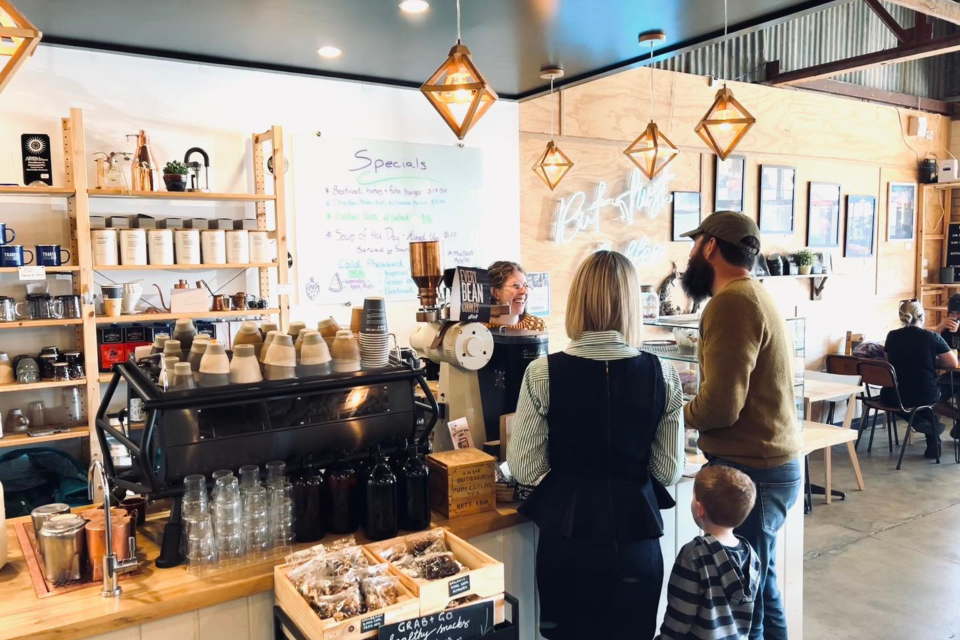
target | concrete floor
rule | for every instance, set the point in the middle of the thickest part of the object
(884, 563)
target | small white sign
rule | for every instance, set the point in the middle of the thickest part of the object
(33, 273)
(538, 295)
(460, 434)
(284, 289)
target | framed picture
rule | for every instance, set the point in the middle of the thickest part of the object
(861, 226)
(729, 184)
(777, 193)
(901, 211)
(823, 215)
(686, 213)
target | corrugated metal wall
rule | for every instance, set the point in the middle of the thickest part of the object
(824, 36)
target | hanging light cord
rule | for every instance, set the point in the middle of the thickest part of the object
(651, 80)
(552, 110)
(458, 20)
(724, 41)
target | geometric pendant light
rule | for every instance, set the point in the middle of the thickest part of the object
(457, 90)
(651, 151)
(553, 164)
(727, 121)
(18, 39)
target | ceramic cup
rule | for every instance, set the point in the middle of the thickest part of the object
(51, 255)
(197, 349)
(159, 340)
(184, 331)
(295, 328)
(298, 343)
(315, 359)
(182, 378)
(244, 368)
(214, 366)
(13, 255)
(4, 230)
(248, 334)
(281, 360)
(267, 327)
(345, 352)
(112, 307)
(267, 341)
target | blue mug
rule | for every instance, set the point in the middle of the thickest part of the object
(51, 255)
(3, 234)
(11, 255)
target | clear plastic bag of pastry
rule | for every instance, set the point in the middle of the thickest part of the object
(304, 555)
(314, 585)
(341, 543)
(316, 566)
(435, 566)
(341, 606)
(427, 543)
(395, 552)
(340, 562)
(380, 592)
(359, 574)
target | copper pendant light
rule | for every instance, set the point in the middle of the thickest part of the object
(18, 39)
(457, 90)
(727, 121)
(651, 151)
(553, 164)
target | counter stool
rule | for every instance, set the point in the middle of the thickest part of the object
(879, 373)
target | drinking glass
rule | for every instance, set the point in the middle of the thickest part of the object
(280, 515)
(276, 472)
(219, 473)
(228, 520)
(201, 545)
(256, 533)
(249, 476)
(36, 413)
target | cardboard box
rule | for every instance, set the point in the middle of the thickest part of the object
(462, 482)
(249, 224)
(221, 223)
(141, 221)
(196, 223)
(118, 222)
(98, 222)
(170, 223)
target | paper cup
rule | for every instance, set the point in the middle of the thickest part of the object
(356, 319)
(374, 316)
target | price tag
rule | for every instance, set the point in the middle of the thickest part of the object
(460, 585)
(284, 289)
(33, 273)
(371, 623)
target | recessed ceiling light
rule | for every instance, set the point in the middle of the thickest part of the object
(329, 52)
(414, 6)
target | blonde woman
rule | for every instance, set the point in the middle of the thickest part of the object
(915, 354)
(599, 428)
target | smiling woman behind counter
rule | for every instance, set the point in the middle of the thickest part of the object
(508, 285)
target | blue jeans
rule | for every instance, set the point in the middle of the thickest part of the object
(777, 491)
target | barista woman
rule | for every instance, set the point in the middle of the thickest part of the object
(508, 285)
(600, 427)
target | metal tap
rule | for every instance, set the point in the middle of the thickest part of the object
(112, 567)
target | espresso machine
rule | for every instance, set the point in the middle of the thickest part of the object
(480, 370)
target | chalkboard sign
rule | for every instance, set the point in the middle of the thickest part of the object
(456, 624)
(953, 246)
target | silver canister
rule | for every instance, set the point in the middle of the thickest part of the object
(63, 545)
(44, 513)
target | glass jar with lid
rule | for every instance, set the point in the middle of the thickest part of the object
(649, 302)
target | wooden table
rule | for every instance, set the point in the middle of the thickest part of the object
(821, 391)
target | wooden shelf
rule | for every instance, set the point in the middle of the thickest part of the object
(63, 269)
(153, 317)
(27, 324)
(947, 186)
(811, 275)
(22, 439)
(39, 386)
(182, 267)
(181, 195)
(55, 192)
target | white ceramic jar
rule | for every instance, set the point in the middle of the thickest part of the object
(259, 247)
(238, 247)
(188, 246)
(160, 246)
(104, 243)
(213, 244)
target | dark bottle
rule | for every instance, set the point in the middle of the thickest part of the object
(398, 458)
(381, 500)
(308, 497)
(343, 498)
(414, 484)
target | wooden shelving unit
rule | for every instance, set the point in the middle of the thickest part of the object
(266, 144)
(205, 315)
(11, 440)
(181, 195)
(182, 267)
(935, 215)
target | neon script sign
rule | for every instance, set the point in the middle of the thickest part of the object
(575, 215)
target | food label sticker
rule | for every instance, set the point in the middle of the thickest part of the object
(33, 273)
(460, 585)
(371, 623)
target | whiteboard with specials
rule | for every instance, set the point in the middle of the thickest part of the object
(361, 202)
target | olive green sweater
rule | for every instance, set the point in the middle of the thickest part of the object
(745, 408)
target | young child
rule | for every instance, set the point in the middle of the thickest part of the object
(715, 579)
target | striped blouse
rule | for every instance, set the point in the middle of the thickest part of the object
(527, 452)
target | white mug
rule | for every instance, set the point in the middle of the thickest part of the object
(105, 247)
(133, 246)
(188, 246)
(213, 243)
(160, 244)
(238, 247)
(259, 247)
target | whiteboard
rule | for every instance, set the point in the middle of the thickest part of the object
(361, 202)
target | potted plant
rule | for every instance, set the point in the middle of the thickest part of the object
(175, 176)
(804, 258)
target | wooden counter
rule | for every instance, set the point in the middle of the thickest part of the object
(156, 593)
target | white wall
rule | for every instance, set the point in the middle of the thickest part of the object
(182, 105)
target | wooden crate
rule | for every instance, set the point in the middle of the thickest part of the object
(484, 576)
(462, 482)
(364, 626)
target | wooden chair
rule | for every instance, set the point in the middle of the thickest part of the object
(879, 373)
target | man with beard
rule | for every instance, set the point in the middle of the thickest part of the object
(744, 409)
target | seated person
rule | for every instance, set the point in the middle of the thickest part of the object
(508, 285)
(949, 330)
(915, 354)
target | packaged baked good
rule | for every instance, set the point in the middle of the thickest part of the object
(315, 566)
(359, 574)
(439, 565)
(340, 562)
(341, 606)
(429, 542)
(314, 586)
(304, 555)
(395, 552)
(341, 543)
(380, 592)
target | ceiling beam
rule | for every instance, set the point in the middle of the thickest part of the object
(896, 55)
(879, 96)
(944, 9)
(887, 19)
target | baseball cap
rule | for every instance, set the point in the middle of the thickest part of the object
(730, 226)
(953, 305)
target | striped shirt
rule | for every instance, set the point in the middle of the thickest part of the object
(527, 452)
(711, 592)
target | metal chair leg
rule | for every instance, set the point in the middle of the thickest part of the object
(832, 405)
(863, 425)
(903, 449)
(873, 430)
(891, 429)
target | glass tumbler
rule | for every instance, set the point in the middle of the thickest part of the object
(256, 540)
(228, 520)
(280, 515)
(201, 546)
(276, 472)
(249, 476)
